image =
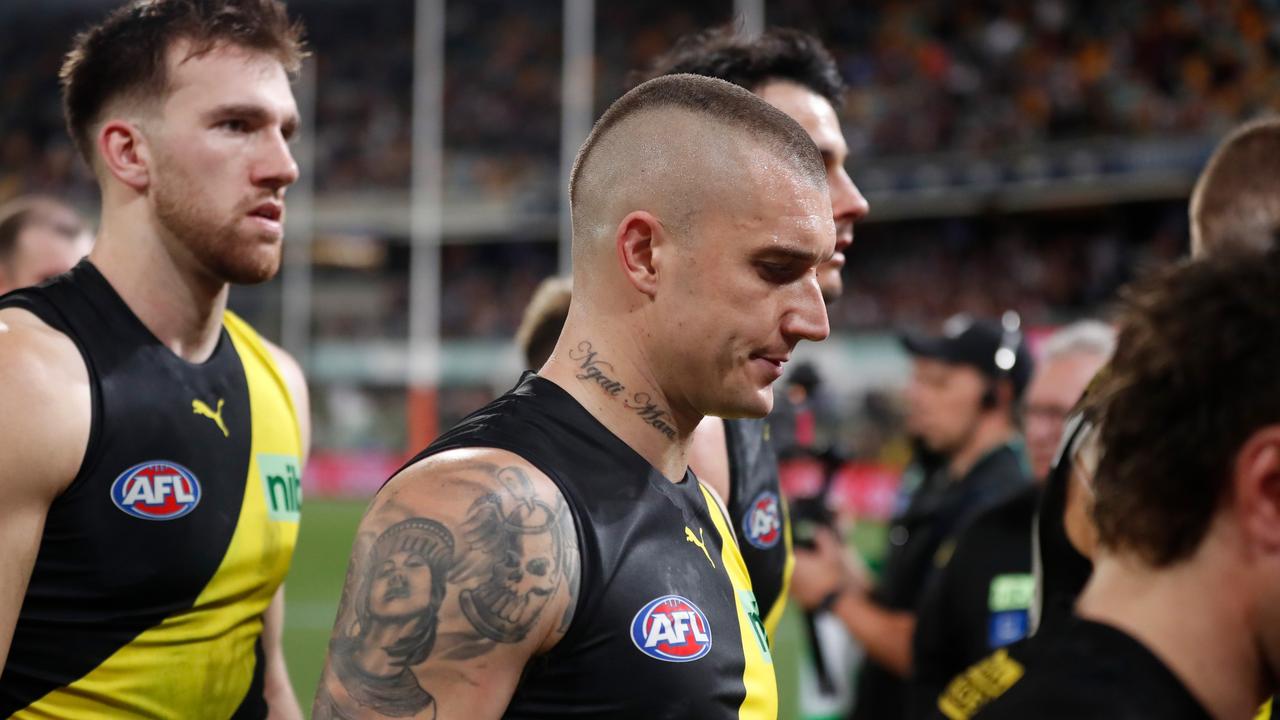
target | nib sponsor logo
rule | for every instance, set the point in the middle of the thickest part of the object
(156, 490)
(673, 629)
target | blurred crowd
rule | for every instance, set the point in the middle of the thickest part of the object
(928, 75)
(925, 77)
(1050, 267)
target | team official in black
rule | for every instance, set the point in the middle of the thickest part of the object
(982, 599)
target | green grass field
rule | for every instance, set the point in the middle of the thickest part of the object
(315, 582)
(313, 586)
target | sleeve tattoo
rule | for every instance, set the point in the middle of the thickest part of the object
(489, 581)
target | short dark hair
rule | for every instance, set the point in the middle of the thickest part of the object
(1193, 376)
(1236, 200)
(750, 62)
(719, 101)
(126, 53)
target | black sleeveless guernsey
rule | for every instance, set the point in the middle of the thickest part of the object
(756, 505)
(159, 559)
(664, 627)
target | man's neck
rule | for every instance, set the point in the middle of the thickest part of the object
(990, 433)
(182, 308)
(1200, 635)
(611, 379)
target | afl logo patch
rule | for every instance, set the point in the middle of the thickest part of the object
(673, 629)
(156, 490)
(762, 523)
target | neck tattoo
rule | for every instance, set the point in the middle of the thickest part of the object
(594, 369)
(599, 372)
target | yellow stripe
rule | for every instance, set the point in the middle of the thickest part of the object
(780, 605)
(199, 663)
(256, 357)
(761, 701)
(1264, 712)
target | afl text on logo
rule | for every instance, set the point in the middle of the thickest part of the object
(156, 490)
(762, 523)
(671, 628)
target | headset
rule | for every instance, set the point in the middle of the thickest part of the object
(1006, 355)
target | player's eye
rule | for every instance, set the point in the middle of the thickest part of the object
(776, 272)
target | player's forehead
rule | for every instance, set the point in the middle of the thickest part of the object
(779, 211)
(227, 74)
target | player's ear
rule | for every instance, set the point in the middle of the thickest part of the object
(638, 239)
(1256, 481)
(124, 154)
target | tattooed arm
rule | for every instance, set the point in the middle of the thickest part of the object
(465, 566)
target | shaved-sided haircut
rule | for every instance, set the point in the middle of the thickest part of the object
(725, 109)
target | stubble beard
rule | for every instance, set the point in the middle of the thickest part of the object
(223, 250)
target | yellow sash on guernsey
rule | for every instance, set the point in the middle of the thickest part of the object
(198, 663)
(761, 701)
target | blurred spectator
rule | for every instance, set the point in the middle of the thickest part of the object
(930, 75)
(486, 287)
(1051, 266)
(926, 76)
(1054, 267)
(39, 237)
(803, 416)
(543, 319)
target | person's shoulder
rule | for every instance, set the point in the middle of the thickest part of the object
(37, 362)
(1011, 513)
(461, 475)
(996, 534)
(1023, 680)
(998, 476)
(1079, 669)
(465, 566)
(291, 372)
(483, 500)
(43, 374)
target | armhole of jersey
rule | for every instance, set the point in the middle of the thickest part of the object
(243, 335)
(53, 318)
(580, 607)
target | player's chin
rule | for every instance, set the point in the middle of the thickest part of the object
(754, 404)
(251, 263)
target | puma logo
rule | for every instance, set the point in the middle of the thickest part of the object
(698, 540)
(199, 407)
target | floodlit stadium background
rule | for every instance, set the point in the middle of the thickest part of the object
(1024, 154)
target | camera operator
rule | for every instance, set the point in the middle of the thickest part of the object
(964, 387)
